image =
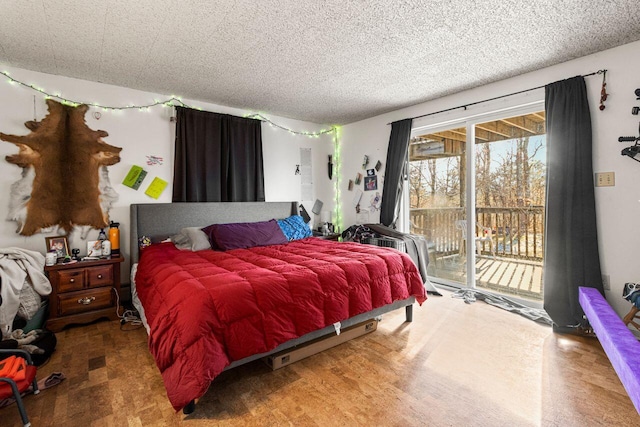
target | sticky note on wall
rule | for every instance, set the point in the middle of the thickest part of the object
(156, 187)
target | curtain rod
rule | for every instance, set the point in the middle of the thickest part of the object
(494, 98)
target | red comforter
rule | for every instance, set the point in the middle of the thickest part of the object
(206, 309)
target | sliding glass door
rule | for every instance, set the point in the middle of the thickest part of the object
(476, 192)
(510, 198)
(437, 199)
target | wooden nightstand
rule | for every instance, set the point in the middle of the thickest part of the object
(83, 291)
(330, 236)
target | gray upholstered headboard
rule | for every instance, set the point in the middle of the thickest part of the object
(161, 220)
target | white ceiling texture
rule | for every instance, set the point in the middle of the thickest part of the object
(328, 62)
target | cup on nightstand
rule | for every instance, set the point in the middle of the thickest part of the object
(50, 258)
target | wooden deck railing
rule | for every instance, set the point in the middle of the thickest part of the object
(517, 231)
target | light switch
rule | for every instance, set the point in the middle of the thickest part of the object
(605, 179)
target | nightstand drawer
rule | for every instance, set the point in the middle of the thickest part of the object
(99, 276)
(84, 301)
(83, 291)
(70, 280)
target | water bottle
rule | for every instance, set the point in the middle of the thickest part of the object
(114, 237)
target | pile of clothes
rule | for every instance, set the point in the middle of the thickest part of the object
(39, 343)
(22, 286)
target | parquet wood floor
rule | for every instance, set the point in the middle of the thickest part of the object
(457, 364)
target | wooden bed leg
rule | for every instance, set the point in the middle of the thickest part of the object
(191, 406)
(409, 312)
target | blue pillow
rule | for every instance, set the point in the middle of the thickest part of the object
(294, 227)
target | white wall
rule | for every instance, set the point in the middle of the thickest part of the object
(140, 134)
(618, 208)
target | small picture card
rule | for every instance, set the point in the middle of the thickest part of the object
(94, 248)
(350, 185)
(370, 183)
(156, 187)
(135, 177)
(371, 172)
(358, 178)
(365, 162)
(356, 197)
(378, 165)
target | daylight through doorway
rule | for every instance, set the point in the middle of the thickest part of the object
(506, 184)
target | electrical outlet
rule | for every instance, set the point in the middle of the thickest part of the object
(605, 282)
(605, 179)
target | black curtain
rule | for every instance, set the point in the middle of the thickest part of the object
(218, 158)
(571, 249)
(394, 170)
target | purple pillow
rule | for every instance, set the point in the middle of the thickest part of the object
(242, 235)
(212, 240)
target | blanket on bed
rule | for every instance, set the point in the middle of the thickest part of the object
(206, 309)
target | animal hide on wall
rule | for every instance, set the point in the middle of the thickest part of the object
(64, 181)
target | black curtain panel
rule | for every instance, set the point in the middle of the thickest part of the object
(218, 158)
(571, 256)
(394, 170)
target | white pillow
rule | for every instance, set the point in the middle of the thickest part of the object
(191, 239)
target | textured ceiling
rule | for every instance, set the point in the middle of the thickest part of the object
(330, 62)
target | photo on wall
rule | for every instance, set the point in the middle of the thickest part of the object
(370, 183)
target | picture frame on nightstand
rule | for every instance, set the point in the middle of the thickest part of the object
(59, 244)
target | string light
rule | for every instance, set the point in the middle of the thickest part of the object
(172, 101)
(317, 134)
(336, 161)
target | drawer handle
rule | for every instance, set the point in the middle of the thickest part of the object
(72, 280)
(86, 300)
(99, 276)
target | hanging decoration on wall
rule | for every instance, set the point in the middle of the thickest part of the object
(64, 181)
(632, 151)
(135, 177)
(171, 101)
(154, 160)
(636, 110)
(260, 117)
(156, 187)
(603, 91)
(370, 183)
(376, 200)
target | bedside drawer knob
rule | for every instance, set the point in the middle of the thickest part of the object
(86, 300)
(72, 280)
(99, 276)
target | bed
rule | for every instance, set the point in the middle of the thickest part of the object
(208, 311)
